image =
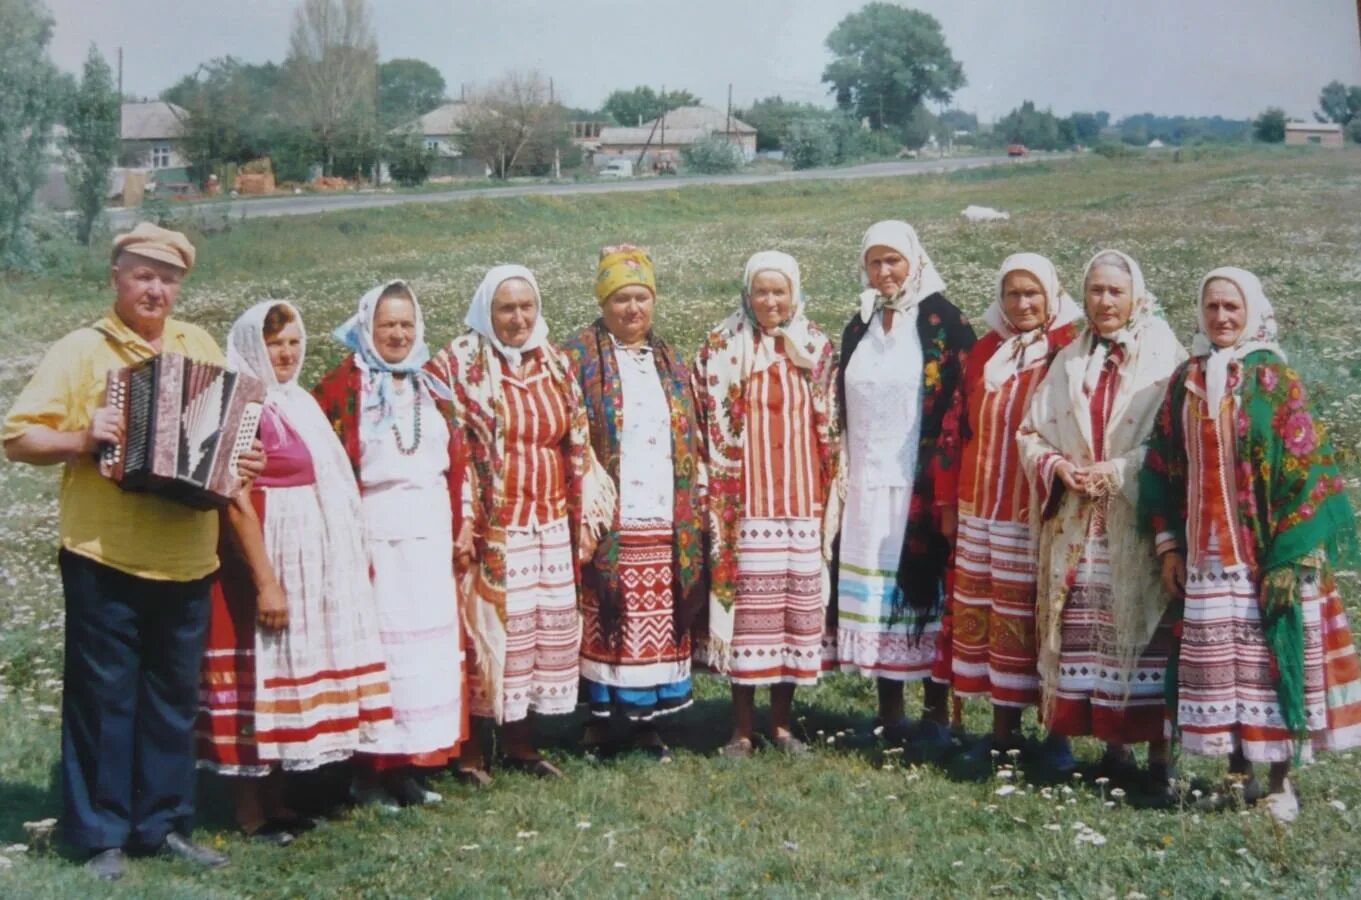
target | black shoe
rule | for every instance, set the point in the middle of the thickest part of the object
(272, 833)
(106, 865)
(180, 847)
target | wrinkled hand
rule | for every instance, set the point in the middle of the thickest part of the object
(271, 607)
(1098, 479)
(465, 550)
(1071, 476)
(1174, 574)
(106, 427)
(587, 543)
(251, 464)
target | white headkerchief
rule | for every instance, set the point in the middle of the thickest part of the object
(922, 278)
(1144, 310)
(797, 343)
(1259, 331)
(479, 313)
(1021, 349)
(247, 353)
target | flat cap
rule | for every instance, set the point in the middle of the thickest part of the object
(154, 242)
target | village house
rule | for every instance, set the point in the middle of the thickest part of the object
(439, 129)
(1326, 134)
(659, 142)
(152, 133)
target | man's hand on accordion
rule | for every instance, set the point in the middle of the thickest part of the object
(271, 606)
(106, 427)
(251, 463)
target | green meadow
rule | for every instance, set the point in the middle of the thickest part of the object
(854, 817)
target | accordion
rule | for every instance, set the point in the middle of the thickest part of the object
(185, 425)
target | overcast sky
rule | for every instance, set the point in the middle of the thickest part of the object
(1190, 57)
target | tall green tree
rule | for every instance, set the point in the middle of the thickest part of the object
(92, 135)
(231, 111)
(643, 104)
(407, 88)
(1269, 127)
(30, 102)
(774, 118)
(888, 60)
(1037, 129)
(1339, 103)
(330, 76)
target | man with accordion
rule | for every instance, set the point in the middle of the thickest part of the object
(135, 568)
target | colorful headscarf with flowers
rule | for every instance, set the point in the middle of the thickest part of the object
(621, 266)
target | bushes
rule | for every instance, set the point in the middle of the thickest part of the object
(713, 155)
(409, 162)
(811, 144)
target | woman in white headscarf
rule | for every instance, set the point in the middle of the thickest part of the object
(388, 403)
(992, 621)
(537, 506)
(1242, 491)
(764, 379)
(294, 675)
(1103, 638)
(902, 356)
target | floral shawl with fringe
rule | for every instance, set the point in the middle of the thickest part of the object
(597, 371)
(479, 406)
(1292, 507)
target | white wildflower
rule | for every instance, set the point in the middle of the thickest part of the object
(1005, 790)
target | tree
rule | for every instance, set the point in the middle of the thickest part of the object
(30, 102)
(774, 118)
(888, 60)
(1269, 127)
(231, 115)
(92, 133)
(643, 104)
(1339, 103)
(712, 155)
(407, 88)
(512, 123)
(1037, 129)
(1087, 126)
(330, 75)
(409, 160)
(810, 144)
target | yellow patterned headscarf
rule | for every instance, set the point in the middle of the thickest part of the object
(622, 266)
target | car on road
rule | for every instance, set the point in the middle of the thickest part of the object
(617, 168)
(1016, 150)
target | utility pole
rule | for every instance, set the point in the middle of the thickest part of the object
(665, 108)
(728, 135)
(120, 73)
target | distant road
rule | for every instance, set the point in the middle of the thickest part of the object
(308, 204)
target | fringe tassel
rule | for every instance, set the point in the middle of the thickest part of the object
(1283, 626)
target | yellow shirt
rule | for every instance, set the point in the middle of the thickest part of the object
(141, 534)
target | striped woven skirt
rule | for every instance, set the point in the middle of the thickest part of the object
(645, 673)
(543, 627)
(1094, 695)
(993, 614)
(778, 611)
(312, 693)
(871, 638)
(1226, 696)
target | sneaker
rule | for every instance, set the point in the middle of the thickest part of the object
(106, 865)
(374, 795)
(1284, 806)
(180, 847)
(410, 792)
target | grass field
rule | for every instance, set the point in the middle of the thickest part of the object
(850, 819)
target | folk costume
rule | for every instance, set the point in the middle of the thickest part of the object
(533, 482)
(770, 445)
(645, 584)
(897, 392)
(315, 691)
(1102, 635)
(406, 454)
(992, 650)
(1242, 479)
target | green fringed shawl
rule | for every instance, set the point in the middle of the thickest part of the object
(1292, 504)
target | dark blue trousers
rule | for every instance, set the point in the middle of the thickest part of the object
(133, 650)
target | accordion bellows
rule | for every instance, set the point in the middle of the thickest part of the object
(185, 425)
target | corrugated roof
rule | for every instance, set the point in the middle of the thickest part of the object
(156, 120)
(685, 125)
(1312, 126)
